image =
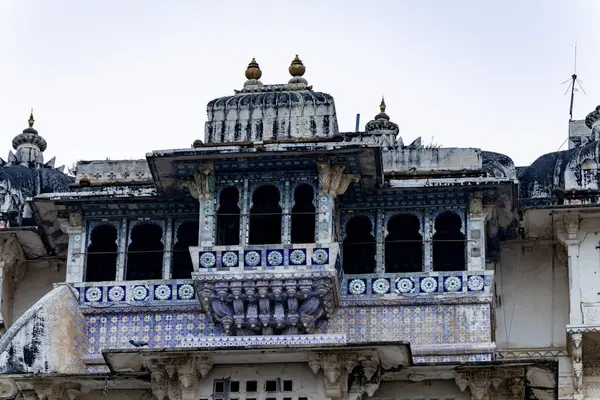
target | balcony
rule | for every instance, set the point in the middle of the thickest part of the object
(268, 289)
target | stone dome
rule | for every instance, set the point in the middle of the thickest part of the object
(271, 112)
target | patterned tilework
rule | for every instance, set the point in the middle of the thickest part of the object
(420, 325)
(453, 359)
(158, 329)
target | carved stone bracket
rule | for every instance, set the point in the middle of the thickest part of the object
(269, 305)
(39, 390)
(577, 360)
(567, 230)
(202, 185)
(176, 378)
(332, 179)
(348, 374)
(481, 381)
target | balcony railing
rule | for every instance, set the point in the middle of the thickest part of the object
(158, 293)
(276, 257)
(416, 284)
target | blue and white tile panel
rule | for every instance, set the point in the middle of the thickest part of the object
(266, 341)
(135, 292)
(415, 284)
(266, 257)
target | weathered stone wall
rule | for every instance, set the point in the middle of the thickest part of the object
(38, 279)
(48, 338)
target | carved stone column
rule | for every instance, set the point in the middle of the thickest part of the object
(475, 234)
(332, 183)
(569, 235)
(202, 188)
(577, 360)
(73, 226)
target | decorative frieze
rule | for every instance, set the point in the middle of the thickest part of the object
(176, 378)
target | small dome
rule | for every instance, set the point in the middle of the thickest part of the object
(592, 117)
(29, 136)
(381, 124)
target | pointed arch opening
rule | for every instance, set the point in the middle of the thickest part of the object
(101, 263)
(228, 217)
(186, 237)
(404, 244)
(303, 214)
(448, 243)
(359, 246)
(145, 253)
(265, 216)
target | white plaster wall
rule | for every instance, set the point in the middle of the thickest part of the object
(429, 389)
(532, 300)
(38, 281)
(305, 383)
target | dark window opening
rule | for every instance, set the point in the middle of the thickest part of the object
(265, 216)
(219, 386)
(187, 236)
(101, 263)
(145, 253)
(303, 215)
(234, 387)
(287, 386)
(448, 243)
(359, 246)
(251, 386)
(403, 244)
(271, 386)
(228, 218)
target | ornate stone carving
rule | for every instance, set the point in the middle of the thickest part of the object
(476, 207)
(268, 304)
(478, 381)
(44, 390)
(202, 186)
(176, 378)
(576, 357)
(348, 374)
(332, 179)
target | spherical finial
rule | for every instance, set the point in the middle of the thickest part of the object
(253, 71)
(297, 68)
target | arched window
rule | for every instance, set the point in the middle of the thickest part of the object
(228, 217)
(404, 244)
(101, 263)
(448, 243)
(589, 174)
(265, 216)
(359, 246)
(186, 236)
(303, 215)
(145, 253)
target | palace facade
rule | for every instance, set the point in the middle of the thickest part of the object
(281, 259)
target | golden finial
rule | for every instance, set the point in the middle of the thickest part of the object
(297, 68)
(253, 71)
(382, 105)
(31, 120)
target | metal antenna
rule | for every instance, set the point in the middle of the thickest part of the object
(574, 82)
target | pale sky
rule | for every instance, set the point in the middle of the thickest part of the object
(120, 78)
